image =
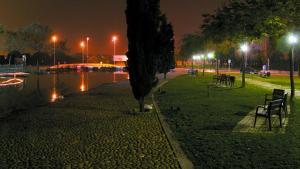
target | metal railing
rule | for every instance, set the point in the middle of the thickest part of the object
(11, 68)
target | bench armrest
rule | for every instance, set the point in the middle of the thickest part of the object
(260, 107)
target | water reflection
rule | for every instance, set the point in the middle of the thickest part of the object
(84, 85)
(55, 95)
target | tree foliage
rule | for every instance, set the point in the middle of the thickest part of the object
(252, 19)
(143, 24)
(190, 44)
(31, 38)
(166, 43)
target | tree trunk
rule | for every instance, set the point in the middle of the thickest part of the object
(142, 105)
(292, 73)
(165, 75)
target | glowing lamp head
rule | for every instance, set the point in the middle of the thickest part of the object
(54, 97)
(54, 38)
(82, 44)
(244, 47)
(114, 38)
(211, 55)
(292, 39)
(196, 57)
(87, 38)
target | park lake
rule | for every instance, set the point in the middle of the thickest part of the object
(51, 87)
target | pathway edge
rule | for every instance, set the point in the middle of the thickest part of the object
(182, 158)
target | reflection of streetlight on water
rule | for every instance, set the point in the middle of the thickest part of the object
(84, 82)
(55, 95)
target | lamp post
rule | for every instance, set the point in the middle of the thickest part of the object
(244, 48)
(195, 58)
(54, 39)
(114, 40)
(203, 64)
(87, 48)
(292, 40)
(210, 56)
(82, 46)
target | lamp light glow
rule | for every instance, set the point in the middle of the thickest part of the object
(114, 38)
(54, 38)
(211, 55)
(196, 57)
(82, 44)
(292, 39)
(244, 47)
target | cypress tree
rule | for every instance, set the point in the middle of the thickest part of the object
(166, 46)
(142, 18)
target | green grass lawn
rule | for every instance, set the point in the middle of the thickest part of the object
(204, 125)
(85, 131)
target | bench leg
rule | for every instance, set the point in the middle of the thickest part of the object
(255, 120)
(280, 119)
(270, 127)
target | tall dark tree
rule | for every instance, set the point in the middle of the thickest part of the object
(143, 24)
(166, 46)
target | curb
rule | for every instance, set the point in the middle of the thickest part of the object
(184, 162)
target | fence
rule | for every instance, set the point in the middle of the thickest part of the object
(11, 68)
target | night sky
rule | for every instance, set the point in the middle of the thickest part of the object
(100, 19)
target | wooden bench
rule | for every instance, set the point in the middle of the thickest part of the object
(273, 108)
(224, 79)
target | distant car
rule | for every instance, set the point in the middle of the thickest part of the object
(250, 70)
(263, 73)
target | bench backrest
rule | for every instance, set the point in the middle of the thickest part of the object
(275, 106)
(278, 94)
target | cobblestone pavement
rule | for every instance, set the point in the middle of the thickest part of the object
(95, 130)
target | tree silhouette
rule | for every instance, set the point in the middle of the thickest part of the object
(166, 43)
(143, 24)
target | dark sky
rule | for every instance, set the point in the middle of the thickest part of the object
(100, 19)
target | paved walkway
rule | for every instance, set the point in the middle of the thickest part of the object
(94, 130)
(267, 85)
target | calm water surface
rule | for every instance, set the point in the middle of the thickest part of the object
(53, 87)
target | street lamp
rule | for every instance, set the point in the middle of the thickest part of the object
(54, 39)
(210, 56)
(292, 40)
(202, 57)
(244, 48)
(82, 45)
(87, 48)
(114, 40)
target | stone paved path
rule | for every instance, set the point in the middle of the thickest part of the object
(267, 85)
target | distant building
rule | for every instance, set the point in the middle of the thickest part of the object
(120, 60)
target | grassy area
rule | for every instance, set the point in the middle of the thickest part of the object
(204, 125)
(85, 131)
